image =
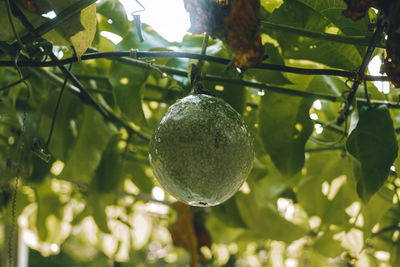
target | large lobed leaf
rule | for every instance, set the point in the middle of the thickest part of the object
(265, 220)
(317, 16)
(373, 144)
(86, 154)
(108, 174)
(285, 127)
(327, 167)
(127, 84)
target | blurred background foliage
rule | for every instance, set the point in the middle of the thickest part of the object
(96, 203)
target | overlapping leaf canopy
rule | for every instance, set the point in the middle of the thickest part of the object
(319, 193)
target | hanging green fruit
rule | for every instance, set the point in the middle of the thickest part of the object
(202, 151)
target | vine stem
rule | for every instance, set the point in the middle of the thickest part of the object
(57, 21)
(380, 26)
(82, 93)
(293, 92)
(387, 229)
(10, 18)
(53, 121)
(203, 53)
(30, 75)
(322, 149)
(172, 54)
(196, 78)
(354, 40)
(110, 116)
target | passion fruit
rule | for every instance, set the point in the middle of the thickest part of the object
(202, 151)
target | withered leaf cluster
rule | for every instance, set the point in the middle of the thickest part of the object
(189, 232)
(235, 22)
(391, 9)
(391, 64)
(36, 6)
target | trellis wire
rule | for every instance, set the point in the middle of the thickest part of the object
(219, 79)
(174, 54)
(20, 141)
(83, 94)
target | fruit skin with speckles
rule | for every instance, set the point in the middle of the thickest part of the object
(202, 151)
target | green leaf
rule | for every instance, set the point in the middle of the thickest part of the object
(113, 10)
(228, 212)
(327, 84)
(266, 76)
(251, 118)
(326, 167)
(395, 254)
(40, 169)
(220, 232)
(332, 10)
(297, 14)
(127, 83)
(285, 127)
(373, 144)
(97, 204)
(328, 246)
(151, 40)
(267, 182)
(373, 211)
(108, 174)
(233, 94)
(265, 220)
(20, 205)
(315, 259)
(92, 139)
(270, 5)
(137, 173)
(10, 125)
(6, 32)
(73, 25)
(48, 203)
(64, 132)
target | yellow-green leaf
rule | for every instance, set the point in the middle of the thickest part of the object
(83, 39)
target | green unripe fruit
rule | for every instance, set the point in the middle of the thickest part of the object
(202, 151)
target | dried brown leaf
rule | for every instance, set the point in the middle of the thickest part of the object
(357, 9)
(235, 22)
(391, 64)
(190, 233)
(36, 6)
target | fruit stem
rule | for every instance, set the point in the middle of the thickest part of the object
(196, 79)
(203, 52)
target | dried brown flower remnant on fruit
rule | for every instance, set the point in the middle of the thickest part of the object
(235, 22)
(391, 64)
